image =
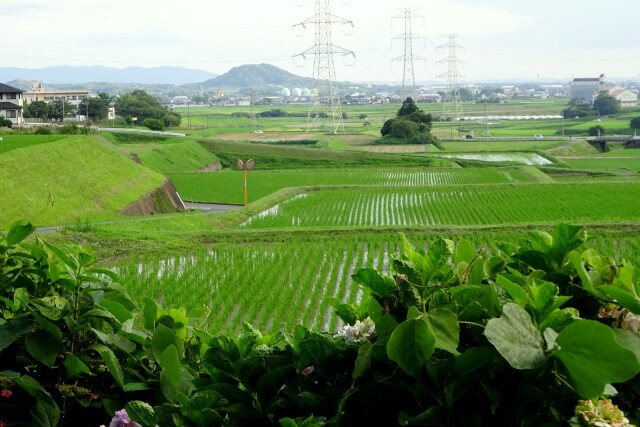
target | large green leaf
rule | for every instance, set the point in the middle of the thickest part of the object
(465, 251)
(12, 330)
(411, 345)
(18, 232)
(118, 310)
(428, 264)
(43, 346)
(164, 337)
(565, 239)
(374, 281)
(516, 338)
(75, 366)
(593, 357)
(33, 387)
(363, 361)
(170, 363)
(150, 313)
(112, 363)
(141, 412)
(444, 324)
(44, 415)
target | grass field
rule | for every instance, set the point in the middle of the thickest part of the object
(12, 142)
(61, 180)
(180, 156)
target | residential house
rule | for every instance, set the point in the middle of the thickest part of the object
(11, 104)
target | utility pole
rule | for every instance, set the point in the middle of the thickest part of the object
(408, 76)
(325, 86)
(452, 108)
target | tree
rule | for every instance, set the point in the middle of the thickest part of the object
(386, 127)
(171, 119)
(596, 130)
(38, 109)
(153, 124)
(410, 123)
(96, 107)
(606, 104)
(635, 123)
(139, 104)
(577, 108)
(59, 109)
(408, 107)
(403, 129)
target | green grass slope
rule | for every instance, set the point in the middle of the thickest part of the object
(184, 156)
(72, 178)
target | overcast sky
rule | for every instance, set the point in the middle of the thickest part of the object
(501, 39)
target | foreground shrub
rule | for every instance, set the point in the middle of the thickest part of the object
(531, 335)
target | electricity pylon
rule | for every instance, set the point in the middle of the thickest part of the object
(452, 107)
(408, 76)
(325, 86)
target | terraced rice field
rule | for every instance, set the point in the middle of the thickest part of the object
(227, 186)
(454, 206)
(278, 286)
(523, 158)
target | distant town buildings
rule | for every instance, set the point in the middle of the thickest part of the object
(588, 88)
(38, 93)
(11, 101)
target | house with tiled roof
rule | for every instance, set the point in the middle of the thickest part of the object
(627, 98)
(11, 104)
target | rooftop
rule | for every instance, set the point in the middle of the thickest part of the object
(9, 106)
(9, 89)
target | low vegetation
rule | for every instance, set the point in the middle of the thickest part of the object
(438, 341)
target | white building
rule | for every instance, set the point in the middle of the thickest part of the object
(627, 98)
(588, 88)
(38, 93)
(11, 102)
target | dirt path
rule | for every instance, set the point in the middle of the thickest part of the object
(207, 208)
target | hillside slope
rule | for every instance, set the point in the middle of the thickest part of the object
(60, 181)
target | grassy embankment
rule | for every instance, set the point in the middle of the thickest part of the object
(52, 180)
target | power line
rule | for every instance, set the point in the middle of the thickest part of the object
(408, 76)
(452, 106)
(325, 85)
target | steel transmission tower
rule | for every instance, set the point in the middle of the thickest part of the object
(408, 76)
(452, 108)
(325, 86)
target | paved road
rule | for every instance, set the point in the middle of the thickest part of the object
(206, 208)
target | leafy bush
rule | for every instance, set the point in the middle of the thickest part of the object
(596, 130)
(70, 129)
(635, 123)
(403, 129)
(42, 130)
(5, 122)
(531, 335)
(153, 124)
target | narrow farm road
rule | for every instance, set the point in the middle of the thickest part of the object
(206, 208)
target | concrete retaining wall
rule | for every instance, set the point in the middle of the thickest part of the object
(163, 199)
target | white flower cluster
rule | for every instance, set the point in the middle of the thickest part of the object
(359, 332)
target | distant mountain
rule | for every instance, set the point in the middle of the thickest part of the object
(256, 76)
(97, 73)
